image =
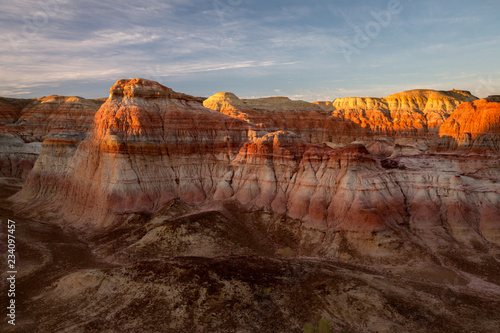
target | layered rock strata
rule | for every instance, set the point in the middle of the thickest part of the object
(10, 109)
(413, 113)
(474, 125)
(16, 156)
(53, 115)
(26, 123)
(311, 121)
(404, 114)
(149, 145)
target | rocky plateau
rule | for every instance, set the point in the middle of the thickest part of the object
(228, 214)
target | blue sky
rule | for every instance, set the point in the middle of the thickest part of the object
(310, 50)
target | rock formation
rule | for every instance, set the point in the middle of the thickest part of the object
(474, 125)
(54, 114)
(16, 156)
(405, 114)
(26, 123)
(149, 145)
(412, 113)
(236, 215)
(308, 120)
(493, 98)
(10, 109)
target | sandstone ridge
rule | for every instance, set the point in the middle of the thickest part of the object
(414, 113)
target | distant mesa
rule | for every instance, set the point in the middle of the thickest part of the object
(39, 118)
(311, 121)
(415, 111)
(410, 113)
(27, 122)
(493, 98)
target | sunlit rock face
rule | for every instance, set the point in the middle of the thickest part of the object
(474, 125)
(312, 121)
(406, 113)
(386, 198)
(412, 113)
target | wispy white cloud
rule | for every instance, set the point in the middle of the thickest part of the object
(170, 70)
(448, 20)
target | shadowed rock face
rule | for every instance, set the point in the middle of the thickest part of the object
(9, 111)
(17, 157)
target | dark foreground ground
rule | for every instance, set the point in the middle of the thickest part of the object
(127, 281)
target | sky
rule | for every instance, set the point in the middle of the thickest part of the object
(306, 50)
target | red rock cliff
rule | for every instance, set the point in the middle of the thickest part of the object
(474, 125)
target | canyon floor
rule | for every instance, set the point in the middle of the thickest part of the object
(111, 284)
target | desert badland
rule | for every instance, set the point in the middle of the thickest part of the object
(157, 211)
